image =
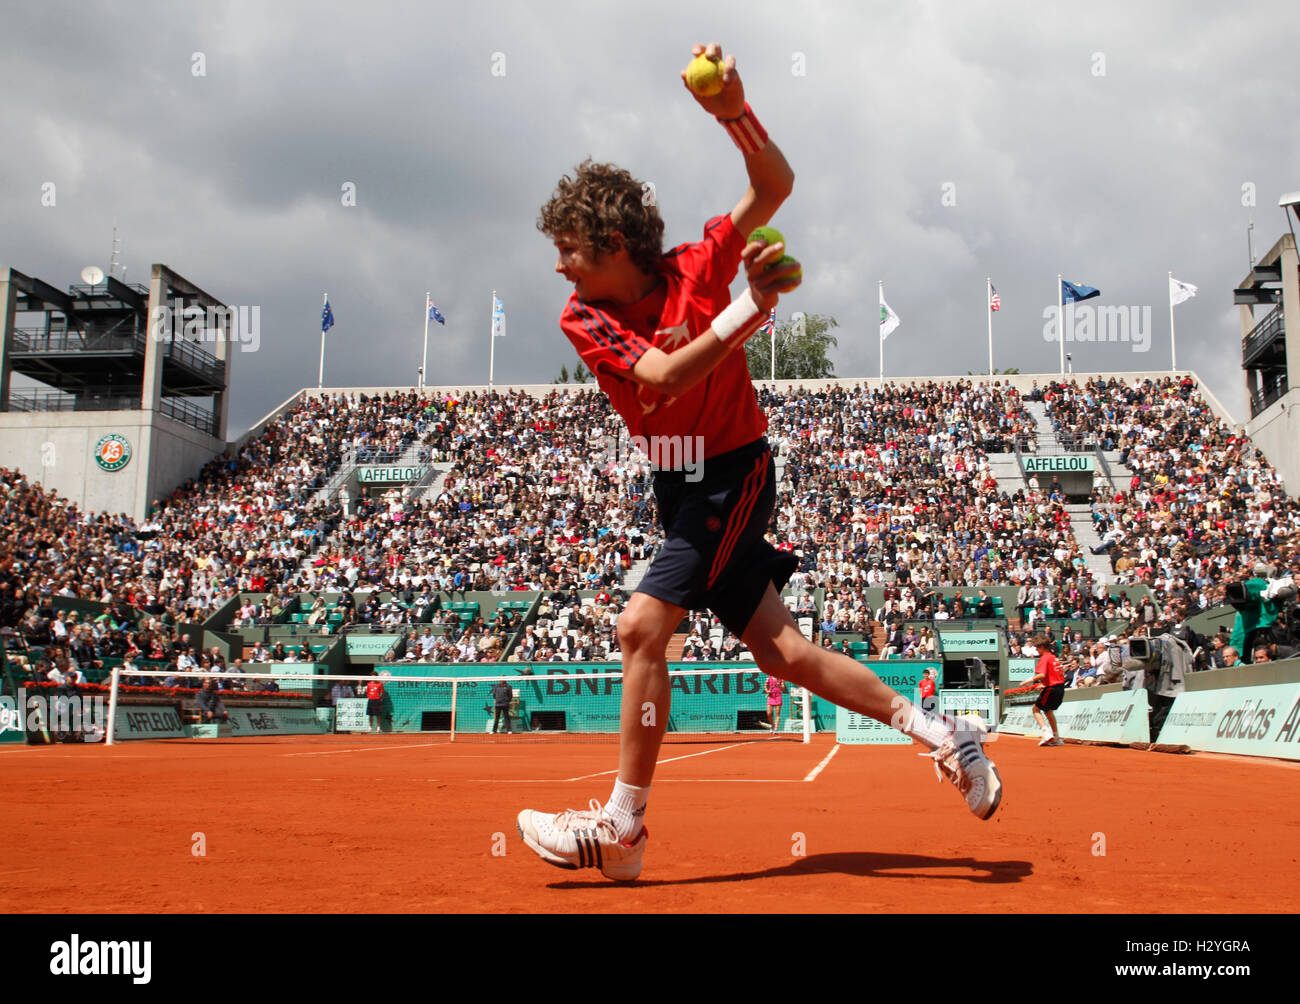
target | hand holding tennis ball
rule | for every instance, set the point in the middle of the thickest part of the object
(770, 236)
(714, 82)
(769, 270)
(704, 76)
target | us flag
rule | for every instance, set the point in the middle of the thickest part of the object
(995, 301)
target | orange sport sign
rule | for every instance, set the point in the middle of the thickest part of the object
(112, 452)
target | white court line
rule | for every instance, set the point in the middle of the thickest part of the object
(687, 756)
(812, 774)
(665, 780)
(365, 749)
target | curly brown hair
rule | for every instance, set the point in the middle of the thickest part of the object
(601, 200)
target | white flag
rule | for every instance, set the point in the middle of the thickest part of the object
(1180, 291)
(498, 319)
(888, 319)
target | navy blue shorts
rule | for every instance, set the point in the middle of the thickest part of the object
(1051, 698)
(714, 555)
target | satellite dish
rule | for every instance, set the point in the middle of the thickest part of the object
(93, 274)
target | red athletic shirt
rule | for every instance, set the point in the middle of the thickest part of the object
(1048, 666)
(374, 690)
(722, 408)
(927, 687)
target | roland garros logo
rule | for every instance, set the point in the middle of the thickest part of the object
(113, 452)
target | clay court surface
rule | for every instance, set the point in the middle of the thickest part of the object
(409, 823)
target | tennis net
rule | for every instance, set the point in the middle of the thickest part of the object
(576, 703)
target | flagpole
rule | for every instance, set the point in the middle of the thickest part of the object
(320, 378)
(988, 309)
(424, 360)
(1173, 345)
(773, 319)
(1060, 319)
(882, 337)
(492, 338)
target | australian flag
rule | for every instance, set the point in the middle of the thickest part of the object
(435, 314)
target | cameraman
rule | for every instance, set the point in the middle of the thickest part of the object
(1258, 600)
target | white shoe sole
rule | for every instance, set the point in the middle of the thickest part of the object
(620, 871)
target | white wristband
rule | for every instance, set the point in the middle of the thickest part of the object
(740, 313)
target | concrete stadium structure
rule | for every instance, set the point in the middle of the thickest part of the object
(129, 400)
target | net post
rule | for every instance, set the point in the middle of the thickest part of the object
(112, 706)
(452, 739)
(807, 714)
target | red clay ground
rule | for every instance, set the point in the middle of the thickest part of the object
(404, 823)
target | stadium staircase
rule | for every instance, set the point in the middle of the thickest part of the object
(1085, 533)
(347, 464)
(433, 489)
(1006, 470)
(635, 574)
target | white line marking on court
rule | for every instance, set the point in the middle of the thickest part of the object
(729, 780)
(664, 780)
(687, 756)
(366, 749)
(812, 774)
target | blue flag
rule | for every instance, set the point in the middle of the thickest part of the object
(326, 318)
(434, 314)
(1073, 292)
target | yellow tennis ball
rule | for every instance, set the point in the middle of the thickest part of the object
(768, 235)
(704, 76)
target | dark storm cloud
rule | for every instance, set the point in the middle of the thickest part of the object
(235, 178)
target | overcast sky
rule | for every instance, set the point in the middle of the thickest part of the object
(934, 144)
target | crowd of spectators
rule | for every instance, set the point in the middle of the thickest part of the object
(535, 500)
(882, 487)
(1203, 506)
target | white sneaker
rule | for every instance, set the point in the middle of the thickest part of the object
(1046, 740)
(582, 839)
(961, 759)
(1057, 741)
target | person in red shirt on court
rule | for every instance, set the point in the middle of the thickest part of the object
(665, 340)
(375, 703)
(927, 688)
(1048, 672)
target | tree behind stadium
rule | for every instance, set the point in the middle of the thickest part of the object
(800, 354)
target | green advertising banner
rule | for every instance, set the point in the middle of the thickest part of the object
(1257, 721)
(852, 728)
(967, 642)
(372, 644)
(1020, 670)
(298, 678)
(1060, 465)
(575, 699)
(1119, 717)
(391, 474)
(12, 727)
(144, 721)
(275, 722)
